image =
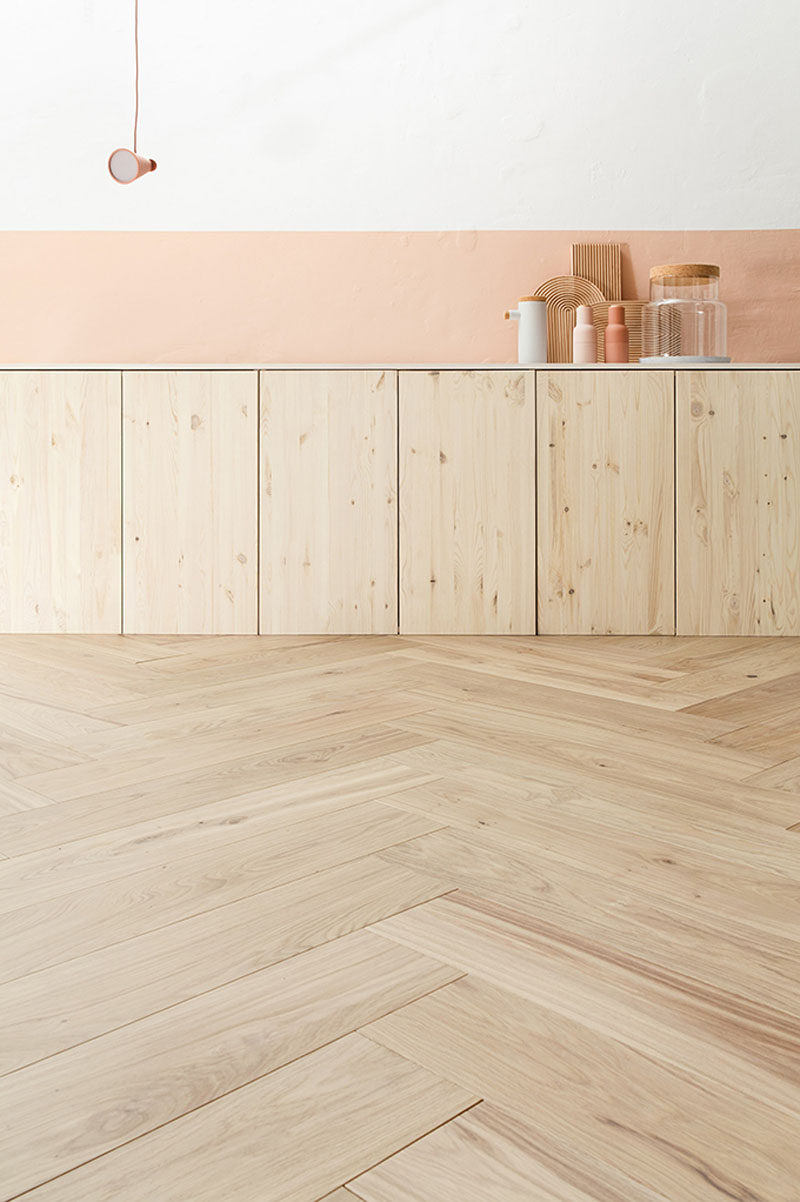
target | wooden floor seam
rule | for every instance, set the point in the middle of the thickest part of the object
(409, 919)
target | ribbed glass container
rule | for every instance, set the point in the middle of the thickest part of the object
(685, 318)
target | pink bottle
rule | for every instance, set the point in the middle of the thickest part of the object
(617, 341)
(584, 336)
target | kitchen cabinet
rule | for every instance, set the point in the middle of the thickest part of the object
(738, 502)
(190, 502)
(572, 500)
(605, 502)
(60, 501)
(467, 502)
(328, 499)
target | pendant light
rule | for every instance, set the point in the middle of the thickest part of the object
(127, 165)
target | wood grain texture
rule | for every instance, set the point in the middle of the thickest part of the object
(577, 847)
(487, 1154)
(60, 501)
(60, 1007)
(605, 503)
(57, 1111)
(190, 468)
(328, 502)
(593, 1100)
(467, 504)
(738, 503)
(150, 811)
(55, 929)
(669, 1020)
(131, 849)
(346, 1107)
(564, 293)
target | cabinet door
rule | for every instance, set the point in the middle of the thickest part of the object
(467, 503)
(605, 485)
(190, 495)
(738, 502)
(328, 502)
(60, 501)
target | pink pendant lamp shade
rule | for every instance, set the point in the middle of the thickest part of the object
(127, 165)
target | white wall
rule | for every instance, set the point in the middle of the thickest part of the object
(403, 114)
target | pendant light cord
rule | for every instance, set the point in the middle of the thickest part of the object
(136, 48)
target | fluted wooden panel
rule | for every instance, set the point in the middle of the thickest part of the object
(600, 262)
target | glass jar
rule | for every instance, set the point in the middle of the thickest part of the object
(685, 318)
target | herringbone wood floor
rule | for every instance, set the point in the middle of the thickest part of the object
(400, 920)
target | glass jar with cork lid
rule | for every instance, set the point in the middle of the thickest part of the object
(685, 318)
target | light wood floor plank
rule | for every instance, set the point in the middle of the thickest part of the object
(548, 739)
(76, 1000)
(578, 677)
(342, 1109)
(601, 775)
(749, 875)
(22, 833)
(473, 797)
(624, 1110)
(48, 932)
(601, 833)
(488, 1154)
(548, 695)
(705, 749)
(668, 1020)
(213, 840)
(290, 688)
(784, 776)
(244, 774)
(15, 799)
(153, 1071)
(693, 946)
(128, 759)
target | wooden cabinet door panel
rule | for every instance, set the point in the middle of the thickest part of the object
(328, 502)
(467, 503)
(190, 489)
(738, 502)
(605, 502)
(60, 502)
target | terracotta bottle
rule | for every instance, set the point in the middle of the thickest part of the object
(584, 336)
(617, 342)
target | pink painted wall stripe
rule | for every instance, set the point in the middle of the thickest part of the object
(72, 297)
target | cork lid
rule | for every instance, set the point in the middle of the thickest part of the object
(700, 271)
(543, 299)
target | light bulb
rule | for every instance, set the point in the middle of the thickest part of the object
(125, 166)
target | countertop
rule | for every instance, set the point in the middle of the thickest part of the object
(398, 367)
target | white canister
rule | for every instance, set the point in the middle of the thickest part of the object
(532, 336)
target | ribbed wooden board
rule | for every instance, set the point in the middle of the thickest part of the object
(600, 262)
(564, 293)
(633, 320)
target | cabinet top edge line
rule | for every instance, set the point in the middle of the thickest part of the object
(399, 367)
